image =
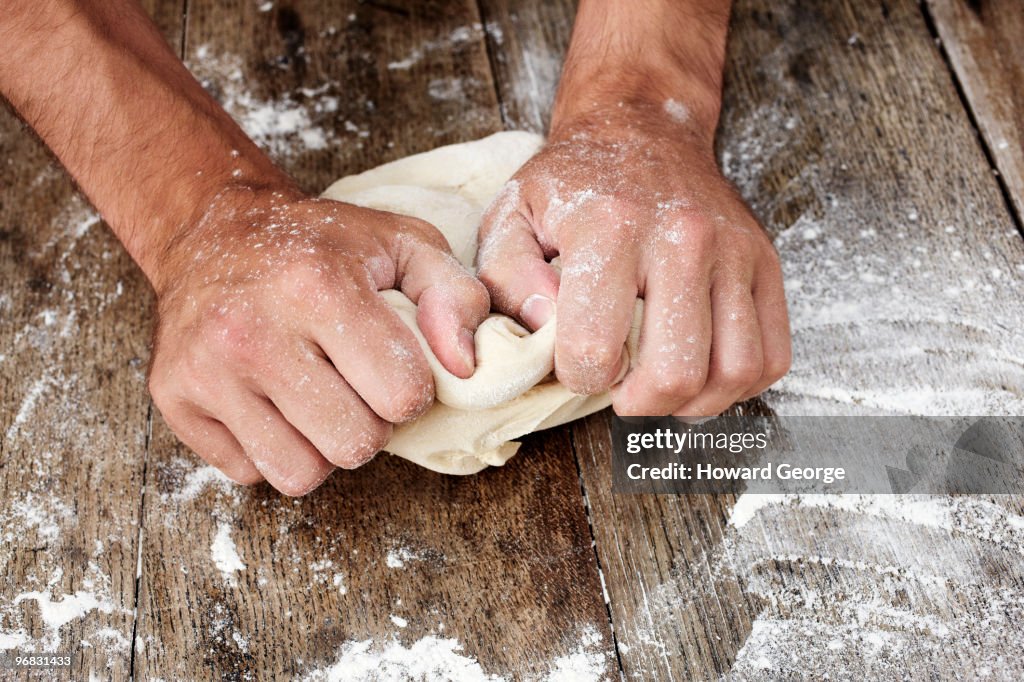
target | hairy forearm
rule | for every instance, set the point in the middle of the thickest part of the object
(145, 142)
(645, 53)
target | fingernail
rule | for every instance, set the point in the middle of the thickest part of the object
(537, 310)
(693, 421)
(467, 348)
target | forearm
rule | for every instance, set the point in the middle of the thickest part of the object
(644, 54)
(144, 141)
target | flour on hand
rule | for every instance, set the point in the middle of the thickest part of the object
(474, 422)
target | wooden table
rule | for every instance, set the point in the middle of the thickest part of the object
(881, 142)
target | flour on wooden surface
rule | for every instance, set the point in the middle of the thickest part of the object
(286, 125)
(56, 609)
(197, 480)
(881, 325)
(224, 553)
(445, 43)
(438, 659)
(430, 659)
(56, 421)
(400, 556)
(906, 583)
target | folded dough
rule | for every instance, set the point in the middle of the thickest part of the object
(474, 421)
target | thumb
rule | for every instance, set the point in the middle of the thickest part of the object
(511, 263)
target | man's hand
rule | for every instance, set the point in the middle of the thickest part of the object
(274, 355)
(628, 195)
(276, 358)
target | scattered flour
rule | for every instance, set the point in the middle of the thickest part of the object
(198, 480)
(430, 659)
(241, 642)
(853, 587)
(438, 659)
(224, 554)
(286, 126)
(449, 89)
(111, 640)
(29, 402)
(677, 111)
(587, 664)
(902, 584)
(56, 613)
(43, 514)
(13, 640)
(916, 327)
(397, 558)
(339, 582)
(459, 36)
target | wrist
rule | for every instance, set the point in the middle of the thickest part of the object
(644, 101)
(660, 60)
(212, 210)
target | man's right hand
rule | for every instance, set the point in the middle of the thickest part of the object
(276, 358)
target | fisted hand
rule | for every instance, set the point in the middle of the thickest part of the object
(274, 356)
(634, 205)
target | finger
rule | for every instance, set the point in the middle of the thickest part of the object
(773, 319)
(375, 352)
(596, 299)
(451, 302)
(326, 411)
(212, 441)
(736, 361)
(512, 265)
(671, 366)
(286, 459)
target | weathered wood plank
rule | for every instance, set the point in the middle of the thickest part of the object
(501, 562)
(842, 127)
(74, 323)
(527, 42)
(985, 44)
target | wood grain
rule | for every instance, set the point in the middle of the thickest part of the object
(501, 562)
(527, 42)
(74, 325)
(843, 129)
(985, 44)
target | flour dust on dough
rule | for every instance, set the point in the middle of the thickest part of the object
(474, 422)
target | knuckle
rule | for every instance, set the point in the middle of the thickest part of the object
(229, 329)
(410, 399)
(474, 294)
(587, 367)
(369, 440)
(594, 354)
(771, 256)
(305, 279)
(741, 373)
(494, 271)
(630, 408)
(162, 392)
(680, 384)
(777, 366)
(426, 233)
(697, 233)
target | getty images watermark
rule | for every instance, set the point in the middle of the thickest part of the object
(942, 455)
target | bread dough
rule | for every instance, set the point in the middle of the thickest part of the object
(513, 392)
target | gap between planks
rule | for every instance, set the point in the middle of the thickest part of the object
(965, 102)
